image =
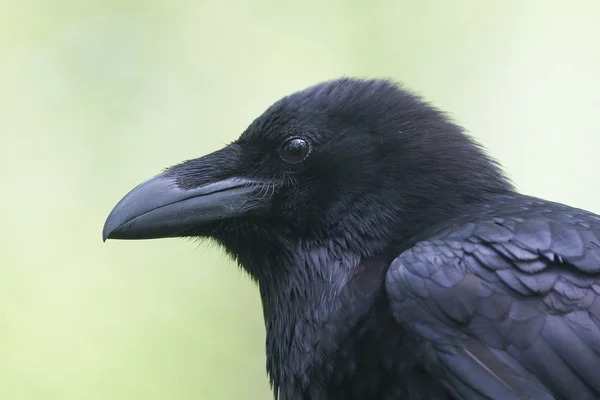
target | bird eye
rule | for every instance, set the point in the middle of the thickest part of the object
(294, 150)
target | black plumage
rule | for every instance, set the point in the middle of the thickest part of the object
(394, 259)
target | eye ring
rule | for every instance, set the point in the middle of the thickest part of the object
(294, 150)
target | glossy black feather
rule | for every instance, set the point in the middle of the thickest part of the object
(509, 304)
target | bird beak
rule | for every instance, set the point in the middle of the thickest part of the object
(159, 208)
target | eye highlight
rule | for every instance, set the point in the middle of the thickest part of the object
(294, 150)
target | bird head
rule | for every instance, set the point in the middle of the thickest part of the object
(349, 164)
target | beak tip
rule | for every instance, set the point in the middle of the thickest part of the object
(106, 233)
(109, 229)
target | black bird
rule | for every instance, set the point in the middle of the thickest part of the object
(393, 257)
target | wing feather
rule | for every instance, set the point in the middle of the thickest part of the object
(511, 306)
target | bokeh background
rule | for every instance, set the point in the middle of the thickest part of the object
(96, 96)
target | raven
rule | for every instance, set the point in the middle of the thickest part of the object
(394, 258)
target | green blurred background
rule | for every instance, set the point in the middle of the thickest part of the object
(97, 96)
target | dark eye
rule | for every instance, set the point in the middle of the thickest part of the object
(294, 150)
